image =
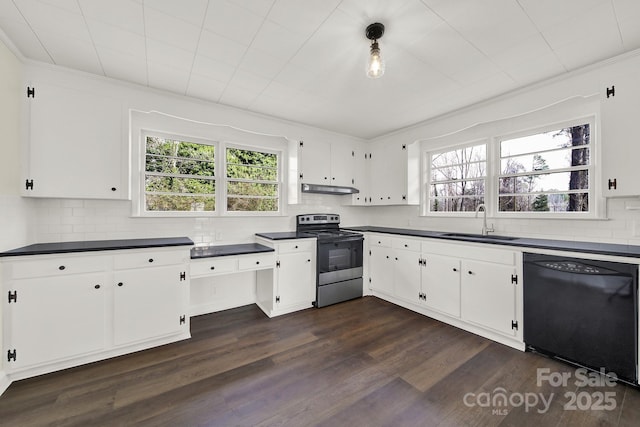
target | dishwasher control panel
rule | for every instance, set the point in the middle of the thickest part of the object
(574, 267)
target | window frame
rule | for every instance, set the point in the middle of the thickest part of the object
(491, 196)
(592, 191)
(426, 181)
(220, 166)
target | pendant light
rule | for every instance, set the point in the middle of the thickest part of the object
(375, 64)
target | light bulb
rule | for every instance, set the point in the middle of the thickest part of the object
(375, 66)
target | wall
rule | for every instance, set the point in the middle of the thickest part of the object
(556, 100)
(66, 219)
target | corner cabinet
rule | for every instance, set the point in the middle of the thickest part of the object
(76, 144)
(620, 148)
(69, 309)
(291, 285)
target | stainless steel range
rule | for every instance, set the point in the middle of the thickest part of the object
(339, 258)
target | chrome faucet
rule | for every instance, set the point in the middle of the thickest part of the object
(485, 230)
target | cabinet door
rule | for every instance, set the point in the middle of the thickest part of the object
(488, 295)
(388, 173)
(296, 280)
(381, 269)
(55, 318)
(620, 145)
(406, 275)
(441, 283)
(361, 177)
(149, 303)
(343, 164)
(76, 145)
(315, 162)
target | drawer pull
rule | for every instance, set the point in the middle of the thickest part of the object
(455, 269)
(296, 247)
(213, 267)
(470, 272)
(257, 262)
(62, 267)
(406, 246)
(97, 286)
(150, 259)
(120, 284)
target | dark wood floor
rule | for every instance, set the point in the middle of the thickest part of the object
(361, 363)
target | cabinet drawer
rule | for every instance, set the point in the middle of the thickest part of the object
(135, 259)
(296, 246)
(252, 262)
(408, 244)
(468, 251)
(211, 266)
(38, 267)
(378, 240)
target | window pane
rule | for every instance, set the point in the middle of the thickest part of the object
(560, 138)
(170, 184)
(166, 203)
(554, 202)
(549, 160)
(179, 166)
(464, 171)
(548, 182)
(455, 204)
(245, 204)
(251, 189)
(460, 188)
(170, 147)
(252, 172)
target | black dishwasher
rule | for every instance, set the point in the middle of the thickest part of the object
(583, 311)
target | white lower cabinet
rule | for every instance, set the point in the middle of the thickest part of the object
(489, 295)
(69, 309)
(471, 286)
(148, 302)
(291, 285)
(53, 319)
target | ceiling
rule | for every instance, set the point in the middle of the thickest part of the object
(304, 60)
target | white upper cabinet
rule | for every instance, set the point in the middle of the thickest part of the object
(327, 163)
(394, 177)
(76, 144)
(620, 148)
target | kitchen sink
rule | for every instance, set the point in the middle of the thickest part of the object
(478, 236)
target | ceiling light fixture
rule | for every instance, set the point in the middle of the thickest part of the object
(375, 65)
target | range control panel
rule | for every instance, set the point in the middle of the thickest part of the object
(318, 219)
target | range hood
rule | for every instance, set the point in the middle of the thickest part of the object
(328, 189)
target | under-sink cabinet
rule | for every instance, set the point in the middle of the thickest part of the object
(67, 309)
(471, 286)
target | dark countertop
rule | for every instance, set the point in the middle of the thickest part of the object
(96, 245)
(285, 235)
(228, 250)
(613, 249)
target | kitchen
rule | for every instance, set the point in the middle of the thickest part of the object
(396, 133)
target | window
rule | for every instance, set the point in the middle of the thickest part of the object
(458, 179)
(252, 180)
(179, 175)
(546, 172)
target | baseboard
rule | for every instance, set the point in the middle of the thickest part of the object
(5, 382)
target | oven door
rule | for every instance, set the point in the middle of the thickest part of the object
(339, 260)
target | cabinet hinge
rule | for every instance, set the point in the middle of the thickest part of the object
(183, 319)
(353, 181)
(514, 324)
(353, 154)
(301, 175)
(31, 92)
(278, 299)
(28, 184)
(514, 279)
(613, 184)
(183, 276)
(278, 264)
(611, 91)
(301, 144)
(12, 355)
(369, 253)
(422, 296)
(13, 296)
(369, 279)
